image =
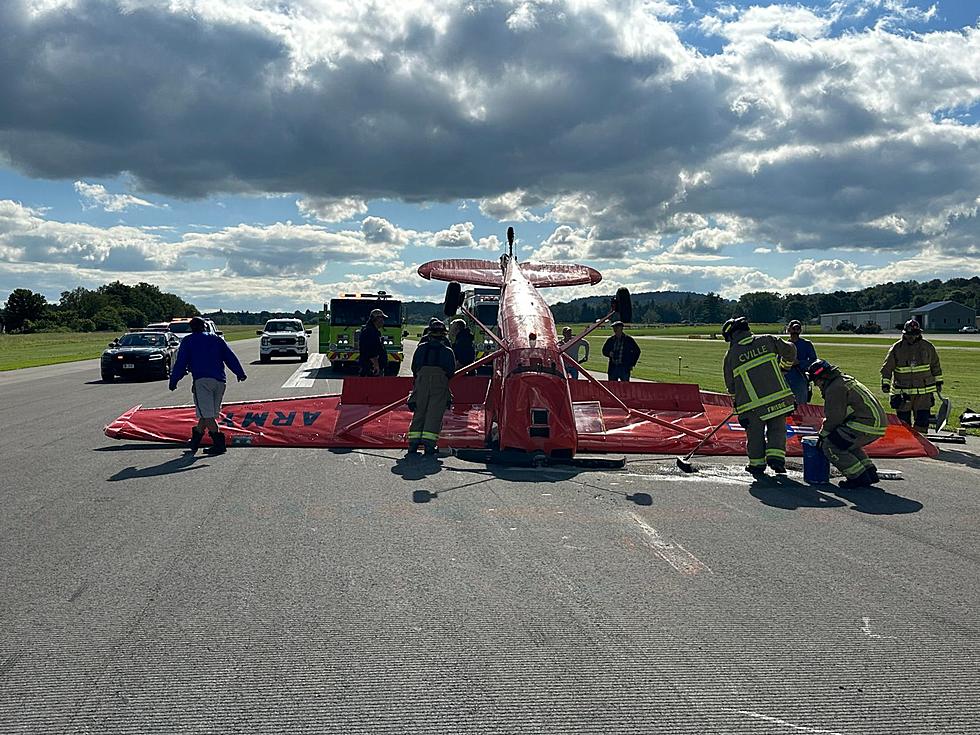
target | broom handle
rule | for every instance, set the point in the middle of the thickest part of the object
(710, 434)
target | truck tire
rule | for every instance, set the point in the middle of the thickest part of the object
(304, 357)
(453, 300)
(264, 358)
(624, 305)
(107, 377)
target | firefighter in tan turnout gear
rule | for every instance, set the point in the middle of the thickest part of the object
(433, 365)
(754, 376)
(853, 418)
(912, 376)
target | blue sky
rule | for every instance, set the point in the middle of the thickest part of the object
(253, 155)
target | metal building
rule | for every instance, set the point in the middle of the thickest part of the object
(944, 316)
(939, 316)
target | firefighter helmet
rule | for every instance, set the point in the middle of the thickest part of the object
(821, 370)
(911, 327)
(733, 327)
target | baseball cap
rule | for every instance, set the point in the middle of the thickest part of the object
(378, 312)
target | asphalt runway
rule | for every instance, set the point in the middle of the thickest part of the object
(312, 591)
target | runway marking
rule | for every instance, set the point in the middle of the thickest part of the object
(866, 629)
(674, 554)
(784, 723)
(304, 375)
(696, 477)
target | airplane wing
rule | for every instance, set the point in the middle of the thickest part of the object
(463, 270)
(318, 421)
(545, 275)
(489, 273)
(603, 425)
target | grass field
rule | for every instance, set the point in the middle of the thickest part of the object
(700, 362)
(31, 350)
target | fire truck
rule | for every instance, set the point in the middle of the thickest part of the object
(342, 321)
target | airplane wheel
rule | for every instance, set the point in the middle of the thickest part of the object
(454, 299)
(624, 305)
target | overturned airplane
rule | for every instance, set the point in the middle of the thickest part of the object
(528, 405)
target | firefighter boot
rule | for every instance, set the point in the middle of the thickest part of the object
(757, 471)
(777, 465)
(862, 480)
(218, 445)
(197, 436)
(430, 449)
(871, 473)
(413, 449)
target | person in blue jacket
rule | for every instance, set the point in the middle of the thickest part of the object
(805, 356)
(205, 356)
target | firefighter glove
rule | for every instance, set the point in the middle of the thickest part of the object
(885, 388)
(896, 401)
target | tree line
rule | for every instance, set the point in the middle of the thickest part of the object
(116, 306)
(771, 307)
(109, 308)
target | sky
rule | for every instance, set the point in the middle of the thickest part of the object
(268, 154)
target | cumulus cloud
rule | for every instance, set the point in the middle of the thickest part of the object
(96, 196)
(327, 209)
(815, 127)
(26, 236)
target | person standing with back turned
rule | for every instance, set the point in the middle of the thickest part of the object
(206, 355)
(754, 377)
(432, 365)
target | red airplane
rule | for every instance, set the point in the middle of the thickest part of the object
(528, 406)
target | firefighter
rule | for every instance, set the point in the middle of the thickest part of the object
(373, 357)
(853, 418)
(754, 376)
(433, 365)
(911, 376)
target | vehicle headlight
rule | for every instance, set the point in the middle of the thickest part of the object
(301, 341)
(156, 356)
(265, 340)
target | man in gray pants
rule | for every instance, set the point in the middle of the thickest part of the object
(206, 355)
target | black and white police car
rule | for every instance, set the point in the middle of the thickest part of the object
(140, 354)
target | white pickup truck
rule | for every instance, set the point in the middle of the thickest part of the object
(284, 338)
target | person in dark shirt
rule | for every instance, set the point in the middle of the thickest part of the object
(432, 365)
(461, 340)
(623, 354)
(805, 356)
(373, 357)
(205, 356)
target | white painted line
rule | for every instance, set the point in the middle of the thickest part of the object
(866, 629)
(784, 723)
(674, 554)
(305, 375)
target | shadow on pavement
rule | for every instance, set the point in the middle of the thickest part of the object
(874, 501)
(416, 468)
(182, 463)
(964, 458)
(791, 495)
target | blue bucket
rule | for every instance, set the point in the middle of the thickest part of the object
(816, 466)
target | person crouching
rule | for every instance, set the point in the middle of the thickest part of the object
(853, 418)
(433, 365)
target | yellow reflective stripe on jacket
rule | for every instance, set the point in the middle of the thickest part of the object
(765, 401)
(746, 366)
(776, 413)
(914, 369)
(909, 391)
(865, 428)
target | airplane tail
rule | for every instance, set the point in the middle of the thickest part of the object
(490, 273)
